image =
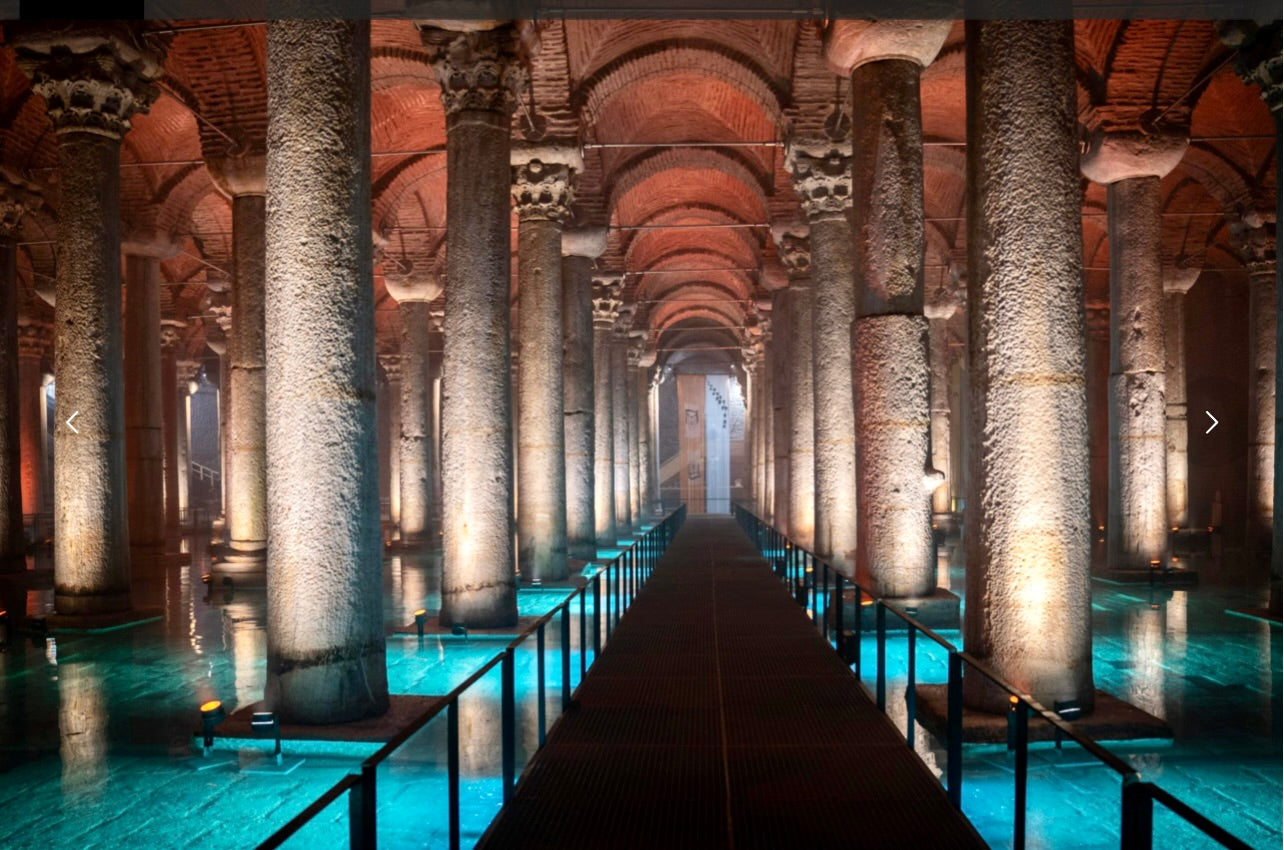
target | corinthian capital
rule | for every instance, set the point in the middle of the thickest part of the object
(543, 181)
(606, 301)
(17, 198)
(794, 247)
(93, 78)
(479, 69)
(822, 175)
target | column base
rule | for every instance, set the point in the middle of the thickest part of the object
(101, 622)
(1111, 719)
(413, 544)
(938, 610)
(91, 605)
(248, 568)
(582, 551)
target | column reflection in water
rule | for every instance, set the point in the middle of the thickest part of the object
(82, 728)
(245, 641)
(1144, 631)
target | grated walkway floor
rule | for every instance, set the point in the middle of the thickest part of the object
(718, 718)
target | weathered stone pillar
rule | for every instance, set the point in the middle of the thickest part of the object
(16, 197)
(749, 363)
(324, 607)
(795, 254)
(543, 181)
(642, 416)
(620, 425)
(93, 79)
(222, 314)
(780, 411)
(1029, 600)
(633, 356)
(767, 420)
(478, 71)
(242, 178)
(1177, 282)
(390, 364)
(414, 290)
(35, 343)
(186, 375)
(579, 248)
(884, 60)
(938, 310)
(144, 439)
(436, 323)
(821, 172)
(1131, 165)
(171, 340)
(606, 311)
(1256, 237)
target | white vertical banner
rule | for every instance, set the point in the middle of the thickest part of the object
(717, 444)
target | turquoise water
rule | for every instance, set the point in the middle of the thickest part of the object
(97, 750)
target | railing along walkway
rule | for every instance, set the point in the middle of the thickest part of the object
(718, 717)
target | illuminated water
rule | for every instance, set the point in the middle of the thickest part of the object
(95, 729)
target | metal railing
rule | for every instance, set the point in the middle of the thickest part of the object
(816, 585)
(618, 582)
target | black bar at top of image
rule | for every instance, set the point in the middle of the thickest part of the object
(257, 10)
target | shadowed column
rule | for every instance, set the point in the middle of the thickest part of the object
(606, 311)
(16, 197)
(1177, 282)
(939, 309)
(579, 248)
(1029, 600)
(1131, 164)
(35, 344)
(171, 338)
(325, 656)
(620, 425)
(633, 355)
(821, 171)
(478, 71)
(1257, 250)
(642, 415)
(90, 92)
(795, 253)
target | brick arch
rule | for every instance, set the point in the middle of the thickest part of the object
(394, 66)
(738, 245)
(223, 75)
(696, 292)
(672, 176)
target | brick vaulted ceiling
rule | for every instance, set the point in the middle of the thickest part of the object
(689, 222)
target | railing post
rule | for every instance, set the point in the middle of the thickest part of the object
(839, 642)
(822, 603)
(911, 695)
(583, 632)
(539, 665)
(609, 599)
(1137, 829)
(1022, 768)
(508, 742)
(597, 616)
(880, 621)
(954, 730)
(566, 656)
(362, 832)
(858, 630)
(452, 769)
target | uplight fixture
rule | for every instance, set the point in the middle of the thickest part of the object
(420, 616)
(212, 714)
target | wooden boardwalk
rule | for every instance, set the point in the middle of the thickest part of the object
(717, 717)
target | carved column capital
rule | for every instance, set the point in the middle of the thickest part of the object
(171, 334)
(409, 283)
(1117, 155)
(17, 198)
(543, 182)
(187, 372)
(606, 301)
(794, 246)
(94, 79)
(479, 69)
(1254, 239)
(35, 339)
(822, 176)
(391, 366)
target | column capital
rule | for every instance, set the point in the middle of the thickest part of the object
(187, 372)
(171, 334)
(794, 246)
(584, 242)
(35, 339)
(1097, 319)
(479, 69)
(93, 78)
(1253, 235)
(822, 175)
(391, 366)
(1117, 155)
(149, 242)
(543, 181)
(1257, 58)
(240, 173)
(437, 321)
(1179, 278)
(17, 198)
(410, 283)
(852, 43)
(606, 301)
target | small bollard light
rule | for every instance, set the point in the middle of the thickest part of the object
(265, 724)
(212, 714)
(205, 578)
(1068, 710)
(420, 616)
(1013, 702)
(911, 611)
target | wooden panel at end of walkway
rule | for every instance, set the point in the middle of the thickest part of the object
(717, 717)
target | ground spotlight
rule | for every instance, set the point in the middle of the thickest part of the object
(212, 714)
(420, 616)
(264, 724)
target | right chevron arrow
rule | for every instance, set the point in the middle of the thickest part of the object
(1214, 425)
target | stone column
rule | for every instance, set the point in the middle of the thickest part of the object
(884, 60)
(767, 421)
(1131, 164)
(1029, 598)
(222, 313)
(144, 437)
(633, 356)
(242, 178)
(795, 254)
(1177, 282)
(1257, 249)
(437, 323)
(579, 248)
(16, 197)
(34, 344)
(781, 411)
(749, 363)
(606, 311)
(642, 415)
(478, 71)
(186, 377)
(414, 290)
(821, 171)
(171, 340)
(325, 656)
(391, 366)
(620, 426)
(543, 180)
(93, 80)
(938, 310)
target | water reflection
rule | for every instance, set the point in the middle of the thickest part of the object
(82, 727)
(245, 641)
(1144, 629)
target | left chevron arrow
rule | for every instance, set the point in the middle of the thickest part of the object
(71, 417)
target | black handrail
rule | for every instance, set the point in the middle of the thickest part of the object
(1138, 796)
(637, 562)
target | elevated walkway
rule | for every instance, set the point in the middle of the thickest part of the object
(717, 717)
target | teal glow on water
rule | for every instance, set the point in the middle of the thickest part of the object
(96, 746)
